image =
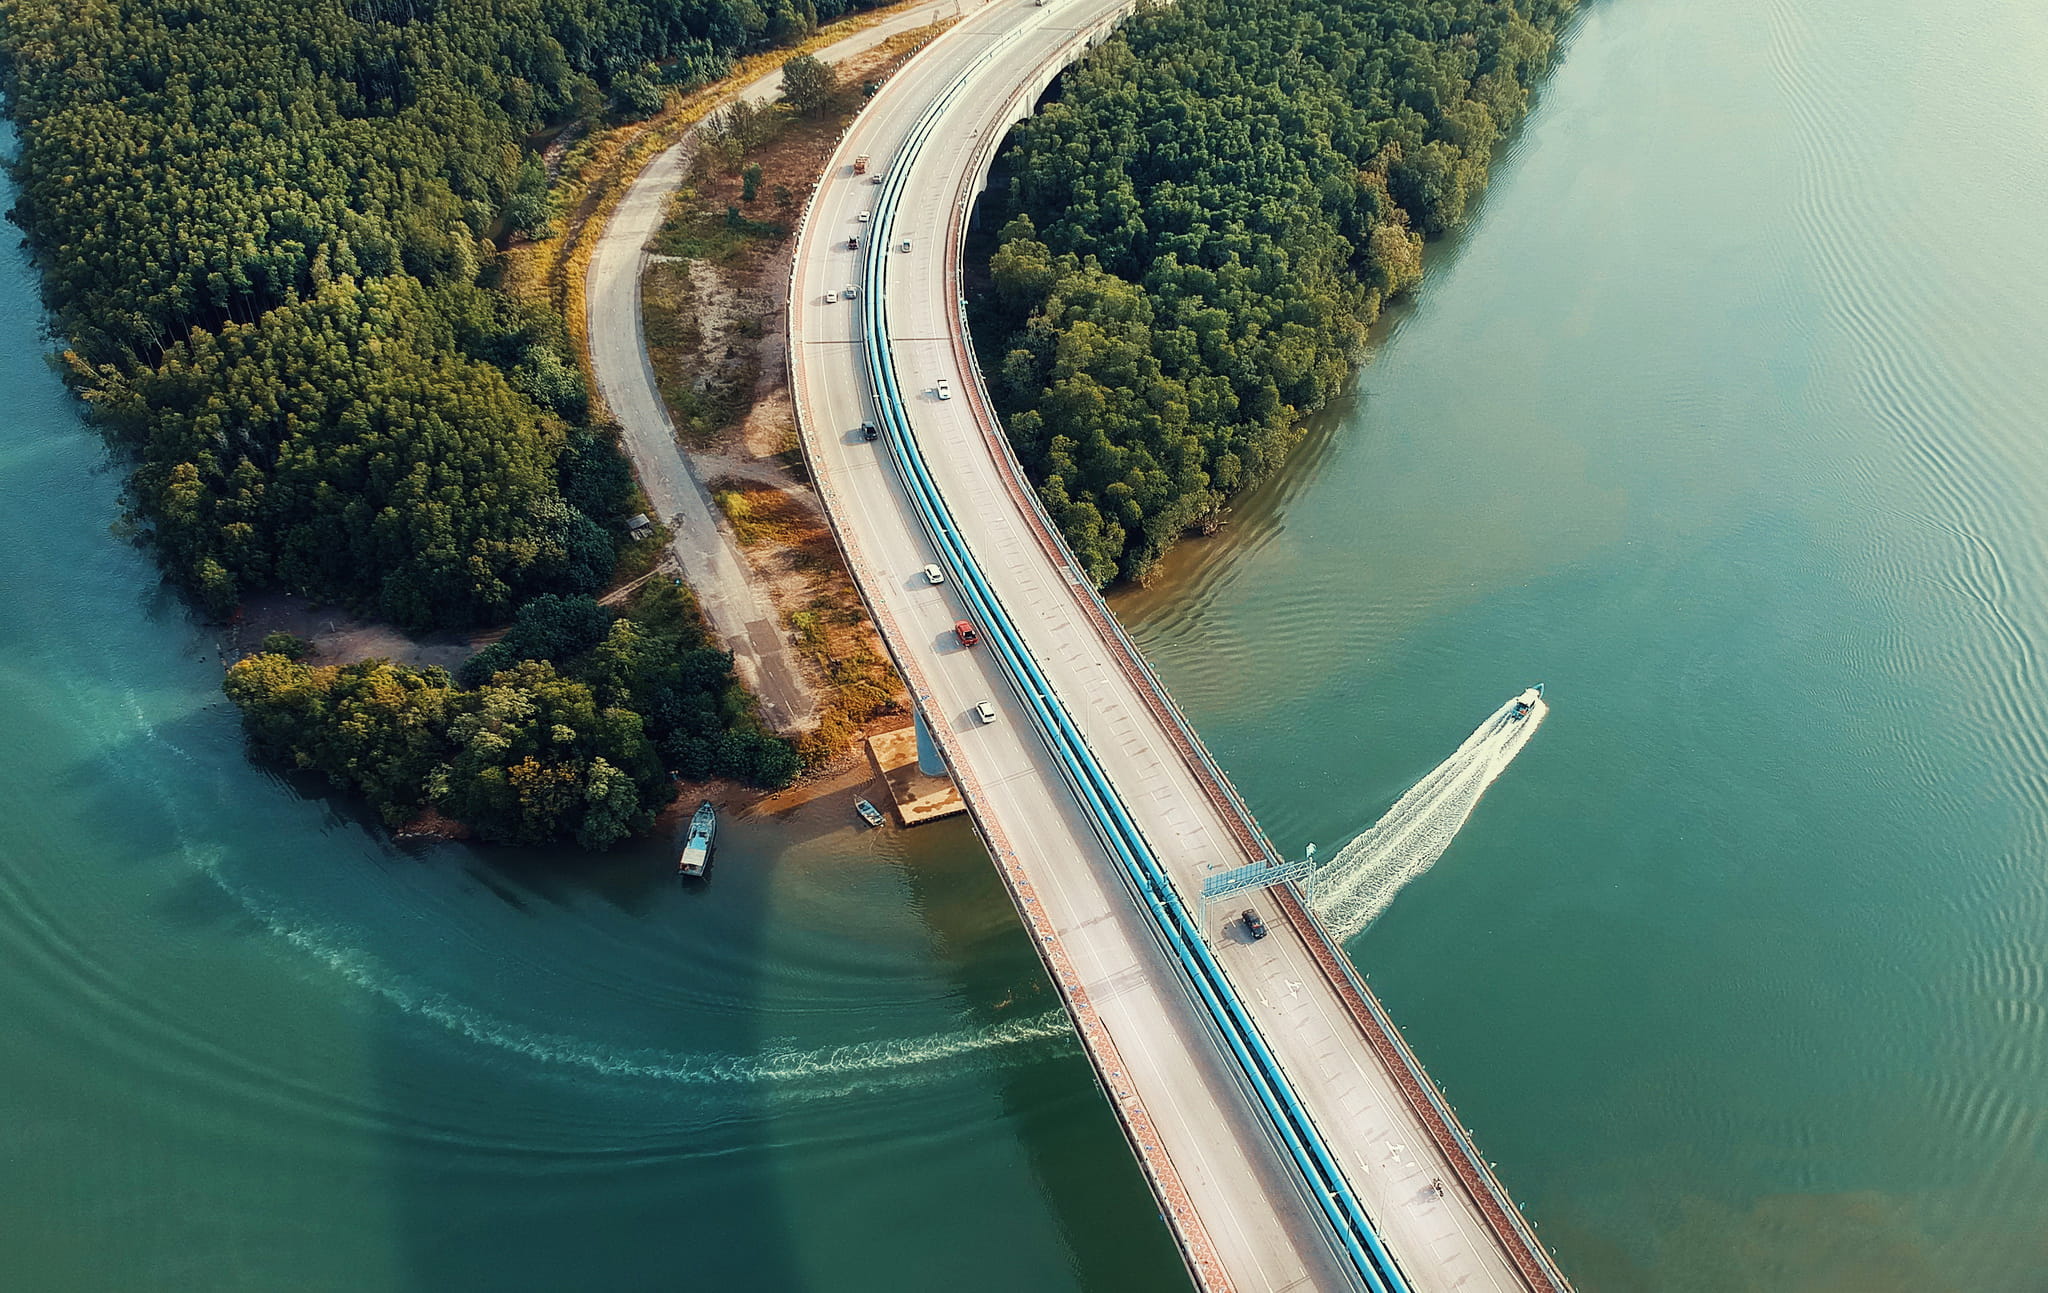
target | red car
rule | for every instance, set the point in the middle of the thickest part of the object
(965, 632)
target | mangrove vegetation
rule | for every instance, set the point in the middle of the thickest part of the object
(1198, 231)
(272, 234)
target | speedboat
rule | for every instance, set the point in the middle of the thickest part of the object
(1525, 702)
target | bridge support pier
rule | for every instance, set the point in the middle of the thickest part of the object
(929, 761)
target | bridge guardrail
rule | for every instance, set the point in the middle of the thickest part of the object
(1510, 1227)
(1294, 1126)
(1371, 1019)
(1184, 1222)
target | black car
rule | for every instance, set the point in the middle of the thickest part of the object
(868, 432)
(1252, 924)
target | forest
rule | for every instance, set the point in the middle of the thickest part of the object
(566, 728)
(268, 229)
(270, 233)
(1198, 231)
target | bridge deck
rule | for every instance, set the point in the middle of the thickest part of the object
(1236, 1204)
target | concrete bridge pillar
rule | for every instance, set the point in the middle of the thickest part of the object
(929, 761)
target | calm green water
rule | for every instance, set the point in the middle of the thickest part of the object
(1724, 420)
(251, 1047)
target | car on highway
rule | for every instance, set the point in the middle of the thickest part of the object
(849, 293)
(831, 298)
(906, 245)
(934, 575)
(868, 431)
(1253, 925)
(985, 711)
(878, 176)
(965, 633)
(944, 390)
(863, 217)
(853, 244)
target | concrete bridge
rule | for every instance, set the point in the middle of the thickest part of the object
(1291, 1138)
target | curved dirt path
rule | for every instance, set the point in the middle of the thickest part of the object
(740, 614)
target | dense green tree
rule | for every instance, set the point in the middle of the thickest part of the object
(313, 190)
(375, 728)
(1204, 223)
(268, 230)
(568, 729)
(550, 627)
(636, 95)
(808, 83)
(535, 758)
(340, 447)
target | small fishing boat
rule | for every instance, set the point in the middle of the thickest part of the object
(1526, 702)
(868, 812)
(696, 857)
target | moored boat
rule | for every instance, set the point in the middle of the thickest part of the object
(868, 812)
(696, 858)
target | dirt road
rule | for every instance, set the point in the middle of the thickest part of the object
(739, 612)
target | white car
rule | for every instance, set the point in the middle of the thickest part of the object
(985, 711)
(831, 298)
(863, 217)
(944, 389)
(906, 244)
(934, 575)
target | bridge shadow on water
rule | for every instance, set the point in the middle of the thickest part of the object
(603, 1162)
(1109, 1233)
(536, 1102)
(537, 1069)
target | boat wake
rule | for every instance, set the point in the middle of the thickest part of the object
(794, 1073)
(1356, 884)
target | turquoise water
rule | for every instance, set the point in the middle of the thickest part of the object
(253, 1046)
(1724, 419)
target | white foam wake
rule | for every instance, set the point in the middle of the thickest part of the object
(1355, 886)
(795, 1073)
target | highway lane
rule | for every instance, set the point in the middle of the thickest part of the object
(1263, 1233)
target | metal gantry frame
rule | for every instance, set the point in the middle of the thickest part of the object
(1258, 875)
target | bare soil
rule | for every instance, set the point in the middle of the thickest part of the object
(714, 299)
(339, 637)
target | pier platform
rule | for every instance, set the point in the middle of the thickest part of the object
(916, 797)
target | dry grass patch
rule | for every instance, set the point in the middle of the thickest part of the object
(713, 302)
(595, 170)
